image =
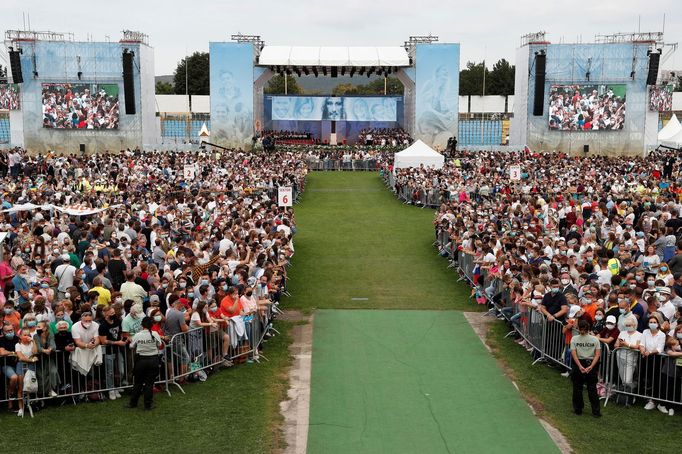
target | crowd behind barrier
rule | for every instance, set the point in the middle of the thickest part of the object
(95, 245)
(558, 240)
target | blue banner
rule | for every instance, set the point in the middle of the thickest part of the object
(437, 87)
(232, 75)
(358, 108)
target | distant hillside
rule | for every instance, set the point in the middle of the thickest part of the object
(167, 79)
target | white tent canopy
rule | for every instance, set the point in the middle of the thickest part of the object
(674, 141)
(418, 154)
(670, 130)
(333, 56)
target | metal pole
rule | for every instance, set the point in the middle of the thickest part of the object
(385, 83)
(286, 84)
(483, 103)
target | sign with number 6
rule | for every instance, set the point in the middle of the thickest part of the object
(284, 196)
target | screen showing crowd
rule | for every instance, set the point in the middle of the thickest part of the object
(80, 106)
(661, 98)
(587, 107)
(9, 97)
(334, 108)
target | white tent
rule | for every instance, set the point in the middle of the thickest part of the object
(674, 141)
(670, 130)
(418, 154)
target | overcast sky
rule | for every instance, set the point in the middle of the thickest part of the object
(486, 29)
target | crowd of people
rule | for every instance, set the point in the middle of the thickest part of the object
(80, 106)
(585, 108)
(384, 137)
(9, 96)
(101, 248)
(574, 239)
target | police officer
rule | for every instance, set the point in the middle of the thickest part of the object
(586, 351)
(146, 344)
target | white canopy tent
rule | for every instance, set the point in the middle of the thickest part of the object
(418, 154)
(670, 130)
(333, 56)
(674, 141)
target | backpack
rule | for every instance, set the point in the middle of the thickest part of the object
(30, 382)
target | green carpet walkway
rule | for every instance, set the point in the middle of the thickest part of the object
(395, 381)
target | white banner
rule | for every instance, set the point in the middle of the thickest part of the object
(284, 196)
(74, 210)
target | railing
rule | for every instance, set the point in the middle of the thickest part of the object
(622, 372)
(414, 196)
(328, 164)
(187, 356)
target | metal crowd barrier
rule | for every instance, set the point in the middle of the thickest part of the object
(186, 356)
(621, 371)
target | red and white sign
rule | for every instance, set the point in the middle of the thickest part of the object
(284, 196)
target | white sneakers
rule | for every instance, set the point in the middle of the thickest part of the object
(118, 393)
(671, 412)
(650, 405)
(52, 393)
(662, 409)
(112, 395)
(20, 413)
(566, 374)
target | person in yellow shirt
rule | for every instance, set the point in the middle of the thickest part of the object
(104, 298)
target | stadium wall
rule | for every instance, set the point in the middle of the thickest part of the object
(101, 63)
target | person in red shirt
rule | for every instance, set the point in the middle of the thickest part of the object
(230, 306)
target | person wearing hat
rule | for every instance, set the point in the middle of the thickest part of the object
(146, 344)
(586, 352)
(610, 332)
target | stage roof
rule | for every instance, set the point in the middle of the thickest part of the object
(333, 56)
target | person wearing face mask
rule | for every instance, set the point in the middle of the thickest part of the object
(586, 353)
(131, 323)
(665, 275)
(110, 337)
(210, 290)
(174, 325)
(673, 369)
(627, 352)
(651, 347)
(21, 284)
(567, 284)
(88, 351)
(609, 333)
(598, 320)
(12, 316)
(8, 365)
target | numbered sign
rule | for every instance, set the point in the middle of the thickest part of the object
(188, 172)
(515, 173)
(284, 196)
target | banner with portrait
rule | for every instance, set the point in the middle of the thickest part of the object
(337, 108)
(437, 93)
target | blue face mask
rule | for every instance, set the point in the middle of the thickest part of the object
(190, 295)
(225, 287)
(8, 311)
(204, 282)
(555, 290)
(9, 336)
(31, 324)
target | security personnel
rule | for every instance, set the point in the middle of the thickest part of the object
(146, 344)
(586, 351)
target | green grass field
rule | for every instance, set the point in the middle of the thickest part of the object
(356, 240)
(236, 410)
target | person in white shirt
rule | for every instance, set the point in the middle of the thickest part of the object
(65, 274)
(651, 347)
(88, 351)
(627, 351)
(130, 290)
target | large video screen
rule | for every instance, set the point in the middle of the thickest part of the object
(334, 108)
(661, 98)
(597, 107)
(9, 97)
(80, 106)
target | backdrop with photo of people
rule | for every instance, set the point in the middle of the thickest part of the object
(661, 98)
(80, 106)
(9, 97)
(585, 107)
(334, 108)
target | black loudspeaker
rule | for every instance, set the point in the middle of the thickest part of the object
(539, 95)
(333, 130)
(82, 148)
(128, 83)
(15, 63)
(586, 149)
(654, 60)
(335, 71)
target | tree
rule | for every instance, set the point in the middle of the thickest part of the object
(164, 88)
(678, 85)
(197, 74)
(345, 90)
(375, 87)
(501, 79)
(498, 81)
(471, 79)
(275, 86)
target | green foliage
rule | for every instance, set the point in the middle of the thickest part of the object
(375, 87)
(678, 85)
(197, 74)
(275, 86)
(164, 88)
(3, 72)
(498, 81)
